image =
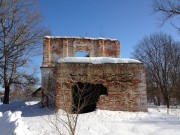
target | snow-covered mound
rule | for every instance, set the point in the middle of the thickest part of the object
(11, 124)
(97, 60)
(14, 106)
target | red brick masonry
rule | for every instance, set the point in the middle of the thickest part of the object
(125, 82)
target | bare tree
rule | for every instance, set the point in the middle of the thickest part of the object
(20, 33)
(161, 56)
(169, 10)
(20, 92)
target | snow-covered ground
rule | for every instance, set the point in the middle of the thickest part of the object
(29, 119)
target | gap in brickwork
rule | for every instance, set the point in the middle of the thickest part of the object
(85, 96)
(82, 54)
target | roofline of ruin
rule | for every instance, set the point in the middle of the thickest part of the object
(88, 38)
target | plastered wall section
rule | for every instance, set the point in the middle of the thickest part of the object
(48, 87)
(55, 48)
(125, 84)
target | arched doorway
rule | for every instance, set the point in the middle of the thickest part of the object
(85, 96)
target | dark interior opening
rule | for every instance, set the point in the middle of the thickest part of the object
(85, 96)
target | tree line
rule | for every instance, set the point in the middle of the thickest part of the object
(161, 57)
(160, 54)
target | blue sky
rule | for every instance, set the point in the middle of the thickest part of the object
(126, 20)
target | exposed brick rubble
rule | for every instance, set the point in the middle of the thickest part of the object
(125, 82)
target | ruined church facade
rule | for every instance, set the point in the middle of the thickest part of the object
(93, 82)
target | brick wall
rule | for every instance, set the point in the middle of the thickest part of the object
(125, 84)
(55, 48)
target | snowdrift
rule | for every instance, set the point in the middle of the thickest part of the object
(11, 124)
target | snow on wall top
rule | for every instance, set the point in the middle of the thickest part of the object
(97, 60)
(53, 37)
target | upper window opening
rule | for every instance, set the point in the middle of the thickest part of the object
(82, 54)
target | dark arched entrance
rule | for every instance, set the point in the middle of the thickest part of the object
(85, 96)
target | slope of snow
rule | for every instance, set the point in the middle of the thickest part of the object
(97, 60)
(38, 121)
(14, 106)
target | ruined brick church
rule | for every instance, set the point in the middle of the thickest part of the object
(99, 80)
